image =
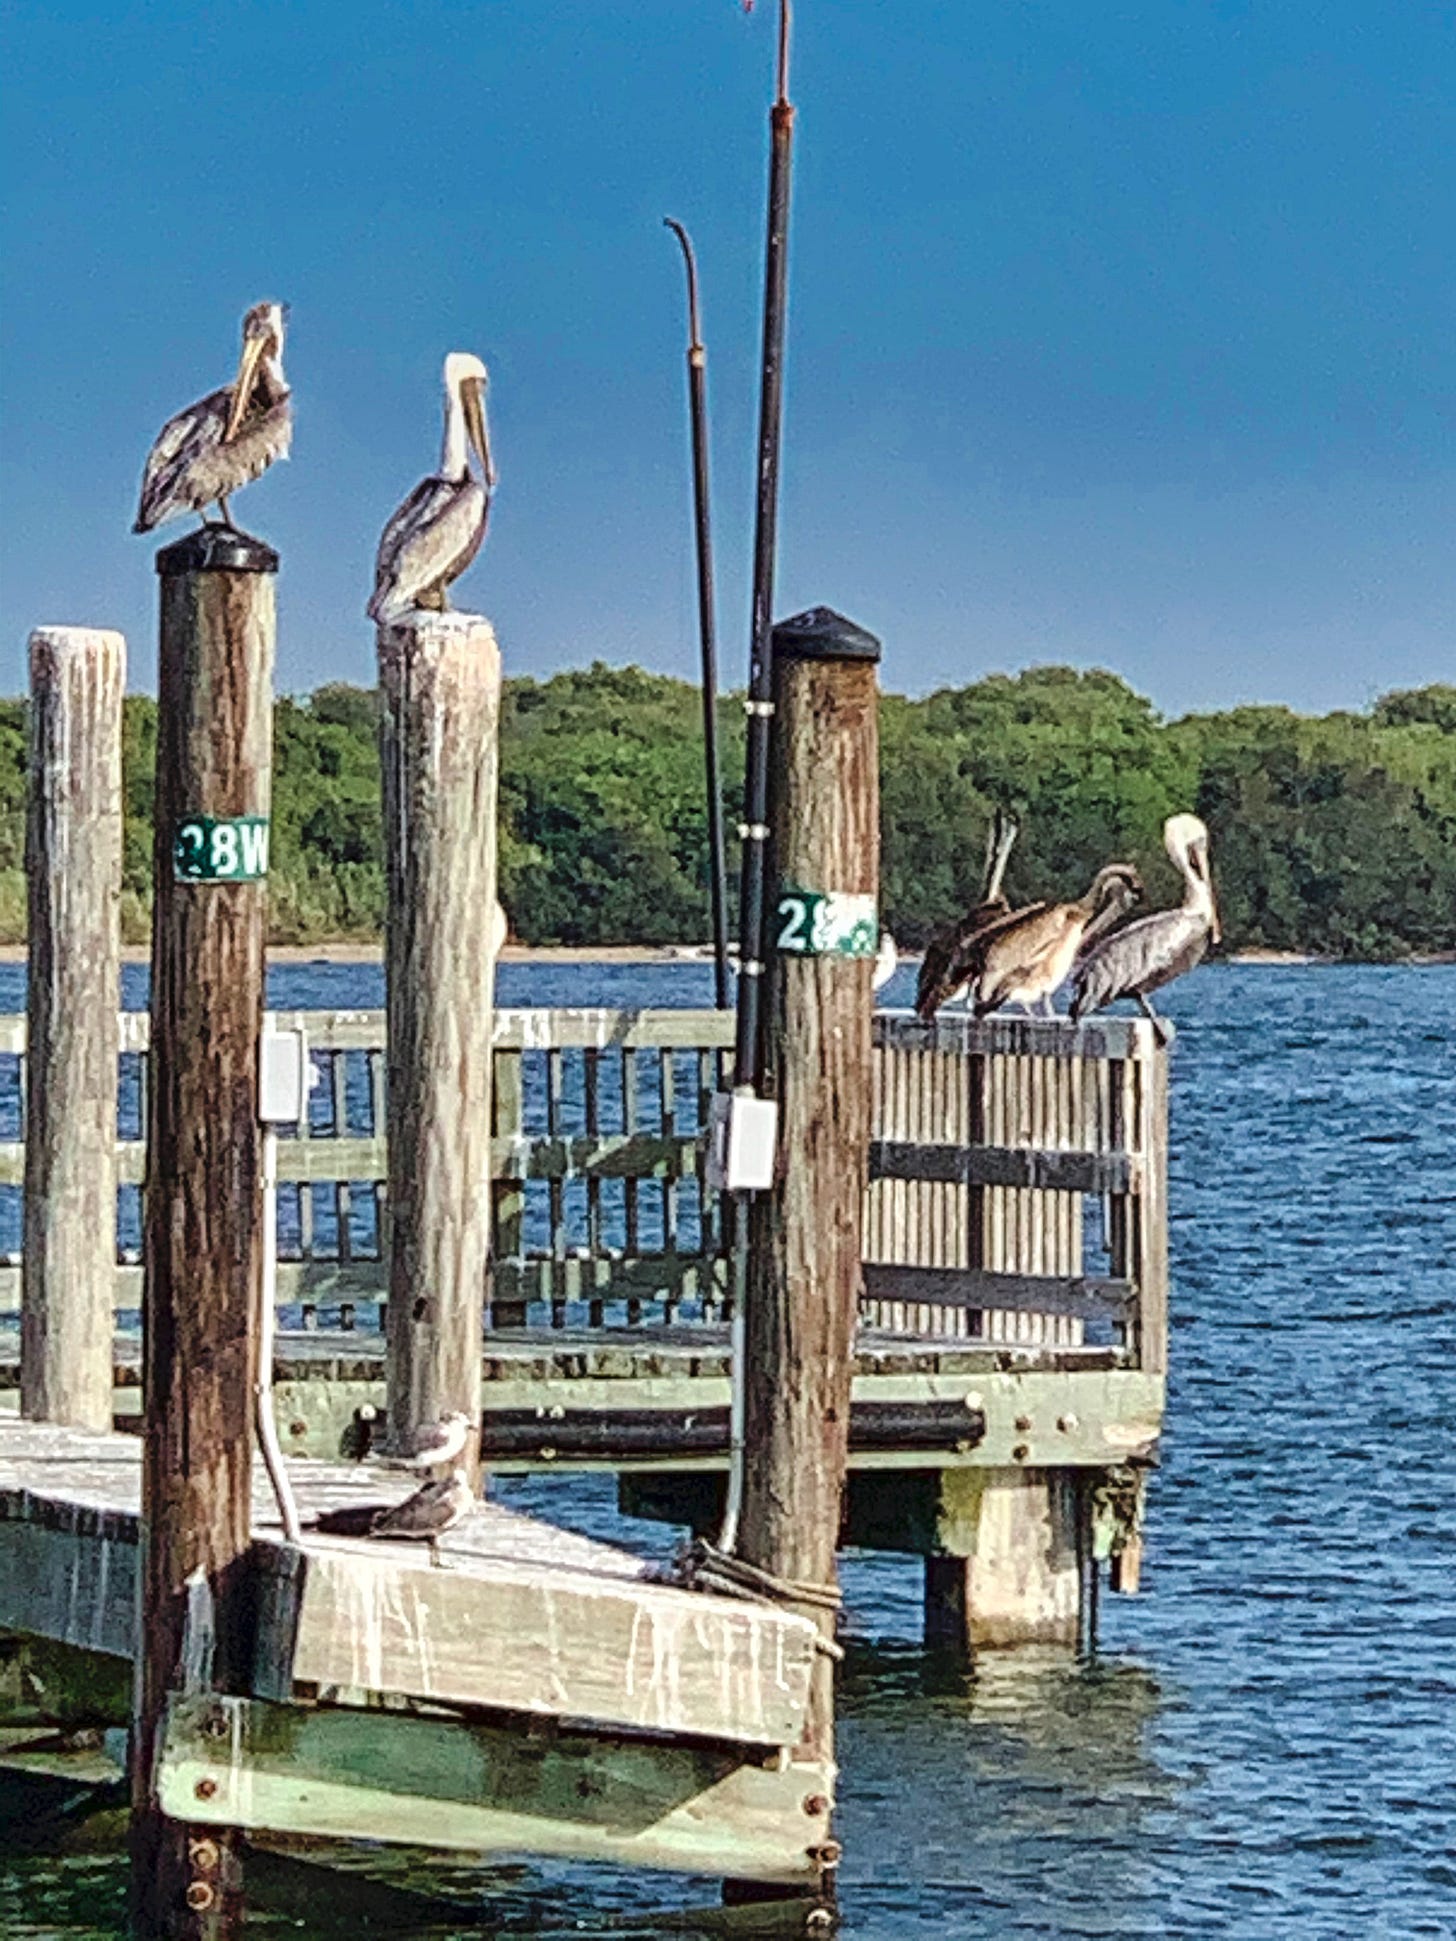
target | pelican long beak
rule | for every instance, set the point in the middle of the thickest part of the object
(473, 399)
(1200, 863)
(247, 377)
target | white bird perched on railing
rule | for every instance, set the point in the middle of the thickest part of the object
(1144, 956)
(431, 539)
(227, 438)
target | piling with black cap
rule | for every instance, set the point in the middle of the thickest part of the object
(804, 1272)
(203, 1217)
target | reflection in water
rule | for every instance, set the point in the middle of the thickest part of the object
(994, 1790)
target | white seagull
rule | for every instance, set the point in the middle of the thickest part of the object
(434, 1445)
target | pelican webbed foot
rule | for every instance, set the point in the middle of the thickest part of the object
(1160, 1030)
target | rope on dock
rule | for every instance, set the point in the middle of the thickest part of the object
(701, 1566)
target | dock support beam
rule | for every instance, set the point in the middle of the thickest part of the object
(73, 867)
(804, 1237)
(1018, 1577)
(203, 1224)
(439, 677)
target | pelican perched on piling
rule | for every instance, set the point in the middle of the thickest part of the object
(952, 960)
(1157, 948)
(436, 533)
(226, 439)
(1031, 954)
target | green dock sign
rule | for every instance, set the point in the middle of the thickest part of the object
(220, 849)
(827, 923)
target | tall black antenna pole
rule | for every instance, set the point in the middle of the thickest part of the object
(707, 631)
(747, 1066)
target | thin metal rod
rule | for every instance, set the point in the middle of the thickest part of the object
(707, 629)
(748, 1045)
(747, 1052)
(264, 1421)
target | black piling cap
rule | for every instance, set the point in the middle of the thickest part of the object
(823, 634)
(216, 549)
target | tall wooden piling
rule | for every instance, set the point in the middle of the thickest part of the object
(804, 1272)
(439, 677)
(73, 867)
(203, 1222)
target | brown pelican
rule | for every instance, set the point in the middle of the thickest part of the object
(1030, 954)
(1158, 948)
(227, 438)
(436, 533)
(952, 960)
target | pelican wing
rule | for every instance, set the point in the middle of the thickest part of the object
(192, 464)
(1024, 948)
(180, 443)
(1139, 958)
(427, 543)
(957, 954)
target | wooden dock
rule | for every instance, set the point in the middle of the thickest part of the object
(1012, 1345)
(540, 1694)
(953, 1335)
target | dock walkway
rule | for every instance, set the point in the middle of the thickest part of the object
(539, 1694)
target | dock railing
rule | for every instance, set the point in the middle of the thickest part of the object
(1017, 1190)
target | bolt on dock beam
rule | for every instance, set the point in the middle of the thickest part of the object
(439, 678)
(203, 1225)
(805, 1242)
(73, 870)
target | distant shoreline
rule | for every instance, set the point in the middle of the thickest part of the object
(362, 953)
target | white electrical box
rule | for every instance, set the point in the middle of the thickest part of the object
(285, 1076)
(742, 1134)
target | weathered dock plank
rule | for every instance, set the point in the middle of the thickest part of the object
(485, 1789)
(529, 1619)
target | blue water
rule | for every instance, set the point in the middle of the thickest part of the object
(1266, 1743)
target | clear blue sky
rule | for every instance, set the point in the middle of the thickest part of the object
(1120, 334)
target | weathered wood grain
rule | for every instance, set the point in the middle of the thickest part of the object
(1151, 1246)
(203, 1211)
(485, 1789)
(73, 871)
(440, 692)
(527, 1618)
(805, 1237)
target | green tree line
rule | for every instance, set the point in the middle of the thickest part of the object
(1334, 834)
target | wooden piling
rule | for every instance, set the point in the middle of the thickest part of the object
(203, 1221)
(73, 869)
(439, 677)
(1017, 1577)
(804, 1273)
